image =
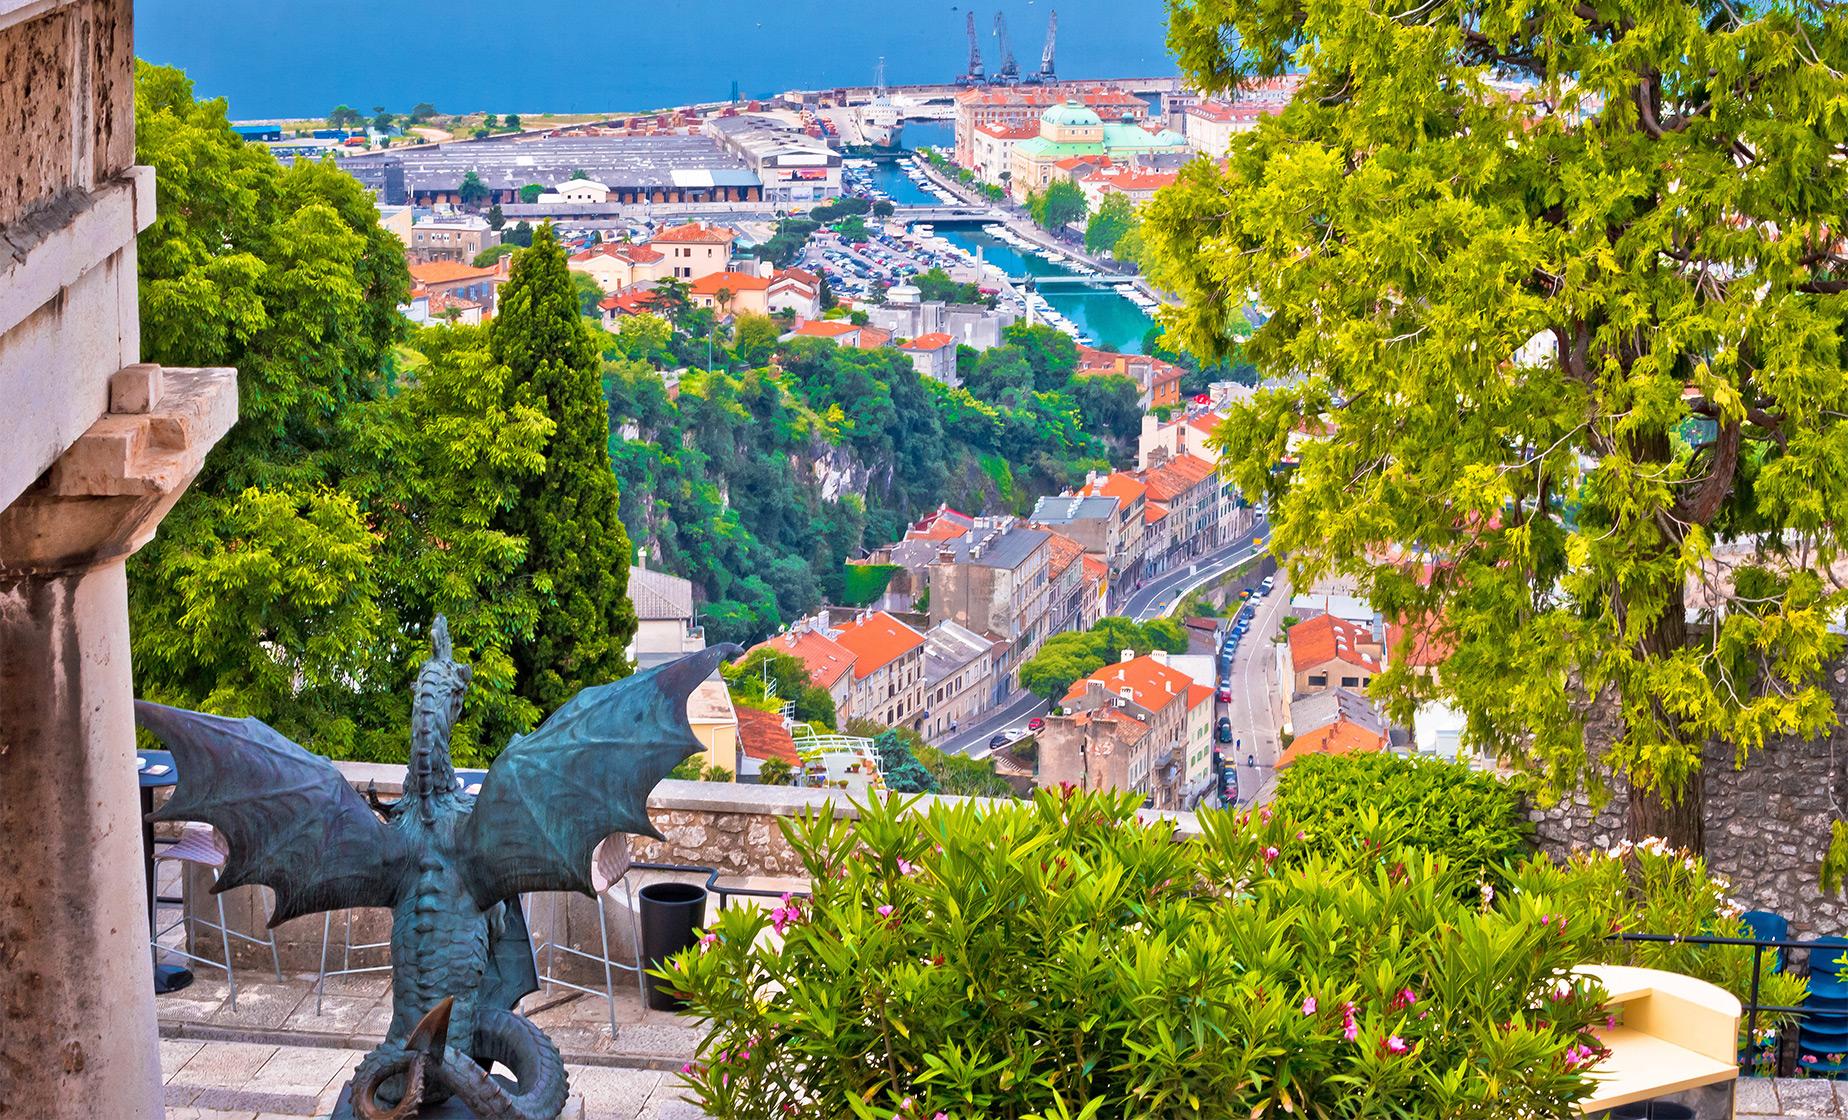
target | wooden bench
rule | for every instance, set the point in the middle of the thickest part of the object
(1676, 1033)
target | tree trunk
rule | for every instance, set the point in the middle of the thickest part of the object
(1676, 819)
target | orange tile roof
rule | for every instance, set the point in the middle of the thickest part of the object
(442, 301)
(876, 641)
(1094, 568)
(1125, 488)
(1064, 552)
(693, 233)
(825, 328)
(635, 301)
(1009, 131)
(1326, 638)
(710, 285)
(1197, 694)
(1151, 684)
(872, 338)
(1339, 737)
(1177, 476)
(1418, 646)
(622, 251)
(446, 272)
(825, 658)
(1044, 96)
(1206, 421)
(1153, 512)
(936, 340)
(761, 735)
(941, 529)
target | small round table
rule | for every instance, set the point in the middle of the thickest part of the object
(157, 770)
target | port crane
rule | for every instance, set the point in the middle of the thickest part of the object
(1010, 70)
(976, 74)
(1047, 70)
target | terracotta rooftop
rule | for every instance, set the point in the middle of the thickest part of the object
(1125, 488)
(1327, 638)
(936, 340)
(1339, 737)
(1151, 684)
(1198, 694)
(1418, 646)
(761, 735)
(876, 641)
(693, 233)
(1153, 512)
(448, 272)
(1046, 96)
(712, 284)
(1177, 476)
(1009, 131)
(1065, 552)
(825, 328)
(622, 251)
(826, 659)
(635, 301)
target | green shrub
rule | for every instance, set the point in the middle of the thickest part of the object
(1059, 958)
(1474, 819)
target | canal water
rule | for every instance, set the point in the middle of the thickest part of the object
(1113, 321)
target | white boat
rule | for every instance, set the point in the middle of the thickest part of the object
(880, 121)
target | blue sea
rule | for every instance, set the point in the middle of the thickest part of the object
(297, 58)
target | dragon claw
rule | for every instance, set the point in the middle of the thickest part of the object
(431, 1034)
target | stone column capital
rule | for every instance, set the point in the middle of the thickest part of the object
(102, 499)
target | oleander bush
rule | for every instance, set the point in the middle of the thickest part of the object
(1064, 958)
(1474, 819)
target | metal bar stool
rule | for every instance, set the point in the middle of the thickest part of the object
(609, 867)
(347, 949)
(200, 844)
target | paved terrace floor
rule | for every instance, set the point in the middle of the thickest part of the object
(273, 1056)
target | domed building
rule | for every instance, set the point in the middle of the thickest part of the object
(1071, 131)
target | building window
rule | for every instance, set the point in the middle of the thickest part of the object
(1350, 682)
(1320, 680)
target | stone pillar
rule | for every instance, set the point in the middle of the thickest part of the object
(76, 980)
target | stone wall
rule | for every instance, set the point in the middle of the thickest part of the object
(1767, 824)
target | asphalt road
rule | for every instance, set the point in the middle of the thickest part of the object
(1160, 595)
(1020, 708)
(1255, 708)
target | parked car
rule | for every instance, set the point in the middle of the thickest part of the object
(1225, 694)
(1224, 731)
(1000, 740)
(1014, 733)
(1268, 582)
(1036, 724)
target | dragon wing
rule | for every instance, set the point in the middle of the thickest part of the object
(292, 822)
(585, 773)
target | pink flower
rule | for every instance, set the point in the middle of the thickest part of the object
(1309, 1006)
(1301, 835)
(1579, 1055)
(1405, 998)
(1396, 1045)
(687, 1068)
(906, 867)
(784, 915)
(1270, 854)
(1266, 814)
(885, 911)
(1350, 1029)
(708, 941)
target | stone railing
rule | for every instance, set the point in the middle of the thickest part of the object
(730, 827)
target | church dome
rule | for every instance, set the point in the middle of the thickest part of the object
(1071, 114)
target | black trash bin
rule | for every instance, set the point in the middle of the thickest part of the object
(1653, 1110)
(671, 914)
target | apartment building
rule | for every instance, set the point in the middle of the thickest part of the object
(1327, 652)
(888, 670)
(1126, 727)
(830, 665)
(994, 580)
(1193, 503)
(450, 237)
(958, 679)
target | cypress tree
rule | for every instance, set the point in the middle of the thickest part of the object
(577, 551)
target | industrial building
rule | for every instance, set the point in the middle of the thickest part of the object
(792, 165)
(636, 169)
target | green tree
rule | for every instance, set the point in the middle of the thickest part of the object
(1059, 205)
(496, 219)
(769, 678)
(530, 193)
(1570, 340)
(492, 120)
(1114, 217)
(492, 254)
(775, 772)
(589, 293)
(382, 121)
(421, 112)
(883, 208)
(672, 298)
(577, 551)
(513, 121)
(754, 339)
(472, 192)
(520, 236)
(1067, 657)
(1111, 406)
(901, 770)
(343, 116)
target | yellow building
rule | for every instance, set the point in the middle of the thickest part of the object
(1072, 130)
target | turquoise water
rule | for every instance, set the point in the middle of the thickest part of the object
(302, 57)
(1113, 321)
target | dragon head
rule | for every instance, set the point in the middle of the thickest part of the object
(436, 704)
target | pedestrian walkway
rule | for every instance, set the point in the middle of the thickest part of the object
(1762, 1098)
(258, 1081)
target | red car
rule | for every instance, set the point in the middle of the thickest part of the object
(1036, 724)
(1225, 695)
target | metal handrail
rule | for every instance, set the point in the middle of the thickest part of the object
(1758, 946)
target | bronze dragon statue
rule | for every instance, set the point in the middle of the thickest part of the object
(449, 865)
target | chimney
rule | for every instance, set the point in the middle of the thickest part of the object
(1161, 658)
(1095, 692)
(641, 559)
(1126, 693)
